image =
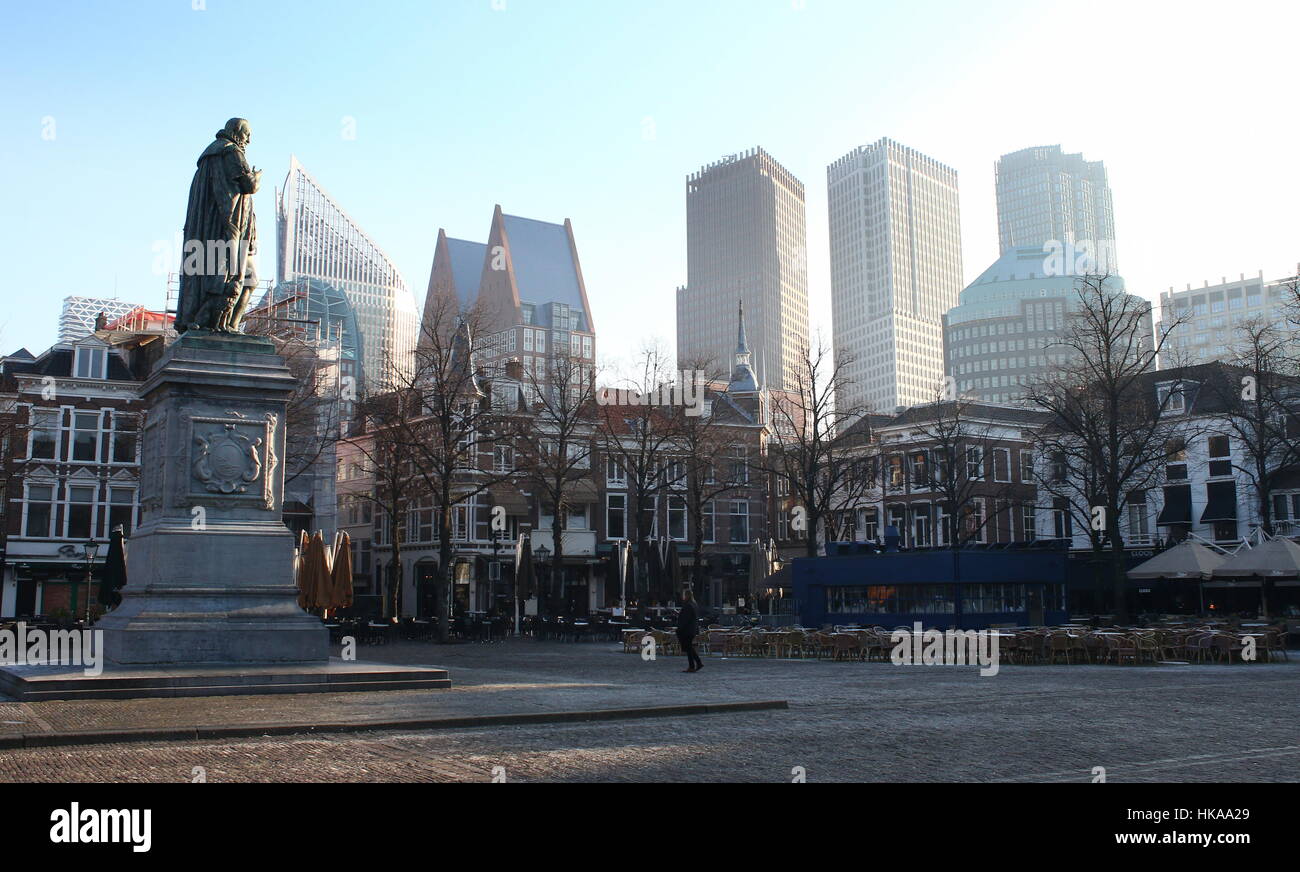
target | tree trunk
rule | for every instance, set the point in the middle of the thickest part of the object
(1120, 579)
(395, 570)
(442, 579)
(557, 559)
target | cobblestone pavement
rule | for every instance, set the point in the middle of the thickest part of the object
(846, 722)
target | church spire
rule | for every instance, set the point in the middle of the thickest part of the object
(742, 347)
(742, 374)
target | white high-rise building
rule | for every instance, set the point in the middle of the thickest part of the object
(318, 240)
(745, 239)
(1046, 197)
(895, 239)
(77, 320)
(1206, 323)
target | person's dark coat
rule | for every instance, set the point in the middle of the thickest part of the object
(688, 621)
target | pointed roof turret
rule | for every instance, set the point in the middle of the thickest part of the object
(742, 374)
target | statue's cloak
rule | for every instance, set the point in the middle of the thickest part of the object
(220, 211)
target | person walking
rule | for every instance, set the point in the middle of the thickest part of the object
(688, 626)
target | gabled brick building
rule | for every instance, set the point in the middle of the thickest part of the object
(70, 464)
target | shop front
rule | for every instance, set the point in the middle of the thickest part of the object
(51, 590)
(963, 589)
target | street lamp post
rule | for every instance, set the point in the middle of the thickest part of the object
(623, 554)
(496, 559)
(91, 550)
(541, 552)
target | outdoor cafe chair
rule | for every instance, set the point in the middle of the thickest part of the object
(1030, 646)
(1095, 647)
(1121, 648)
(755, 644)
(1205, 649)
(1060, 645)
(1226, 646)
(788, 644)
(821, 645)
(1148, 648)
(666, 643)
(1274, 641)
(847, 647)
(875, 645)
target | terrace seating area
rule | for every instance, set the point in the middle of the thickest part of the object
(1209, 642)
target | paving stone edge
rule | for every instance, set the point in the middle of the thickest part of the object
(231, 731)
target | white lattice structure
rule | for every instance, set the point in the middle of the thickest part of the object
(77, 319)
(318, 240)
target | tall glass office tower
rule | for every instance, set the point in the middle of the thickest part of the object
(1046, 196)
(318, 240)
(745, 239)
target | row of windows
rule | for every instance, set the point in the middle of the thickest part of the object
(934, 599)
(471, 522)
(76, 436)
(734, 512)
(923, 468)
(77, 511)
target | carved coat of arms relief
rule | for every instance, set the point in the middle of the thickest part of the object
(234, 456)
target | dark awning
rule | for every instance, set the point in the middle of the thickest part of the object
(1178, 505)
(582, 490)
(508, 496)
(1221, 502)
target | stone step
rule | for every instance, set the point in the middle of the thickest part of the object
(30, 684)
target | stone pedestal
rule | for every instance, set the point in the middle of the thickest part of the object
(210, 569)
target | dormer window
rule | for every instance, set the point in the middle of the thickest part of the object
(91, 362)
(1172, 398)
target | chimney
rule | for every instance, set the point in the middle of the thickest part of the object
(515, 369)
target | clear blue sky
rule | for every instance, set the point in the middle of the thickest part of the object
(596, 110)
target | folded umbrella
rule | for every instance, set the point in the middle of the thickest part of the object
(341, 573)
(313, 579)
(525, 581)
(114, 570)
(674, 570)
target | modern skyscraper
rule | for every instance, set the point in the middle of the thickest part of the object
(318, 240)
(745, 239)
(1004, 333)
(77, 320)
(895, 238)
(1046, 197)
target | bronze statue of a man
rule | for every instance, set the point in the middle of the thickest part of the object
(218, 274)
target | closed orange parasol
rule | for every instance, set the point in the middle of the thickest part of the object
(341, 573)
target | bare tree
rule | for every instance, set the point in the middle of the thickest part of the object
(455, 425)
(554, 452)
(383, 424)
(1110, 431)
(812, 450)
(312, 420)
(1259, 395)
(639, 435)
(706, 443)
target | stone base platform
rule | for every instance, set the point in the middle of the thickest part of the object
(35, 683)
